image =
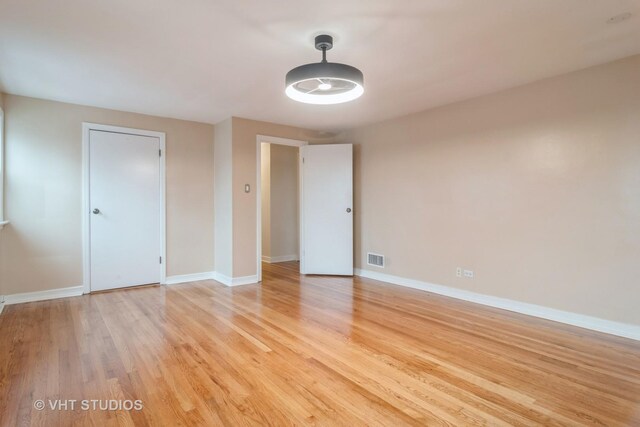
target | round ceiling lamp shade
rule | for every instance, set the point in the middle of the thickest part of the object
(324, 82)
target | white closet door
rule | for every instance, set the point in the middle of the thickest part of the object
(124, 194)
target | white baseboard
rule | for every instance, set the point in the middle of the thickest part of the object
(78, 290)
(245, 280)
(580, 320)
(219, 277)
(212, 275)
(235, 281)
(184, 278)
(73, 291)
(282, 258)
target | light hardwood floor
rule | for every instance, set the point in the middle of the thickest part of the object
(314, 350)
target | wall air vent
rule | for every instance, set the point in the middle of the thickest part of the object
(375, 259)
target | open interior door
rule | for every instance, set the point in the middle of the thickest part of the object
(326, 209)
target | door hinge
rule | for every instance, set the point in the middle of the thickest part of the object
(303, 160)
(159, 153)
(160, 260)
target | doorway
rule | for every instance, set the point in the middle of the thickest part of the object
(123, 207)
(278, 201)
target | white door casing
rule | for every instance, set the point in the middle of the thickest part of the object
(123, 209)
(326, 209)
(260, 139)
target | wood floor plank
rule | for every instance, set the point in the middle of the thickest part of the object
(307, 350)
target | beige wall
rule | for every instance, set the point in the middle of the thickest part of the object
(223, 181)
(42, 247)
(284, 200)
(245, 132)
(279, 186)
(536, 189)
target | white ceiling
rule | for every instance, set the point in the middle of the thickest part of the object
(206, 60)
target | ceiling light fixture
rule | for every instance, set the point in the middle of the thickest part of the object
(324, 82)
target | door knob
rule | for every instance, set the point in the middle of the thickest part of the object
(96, 211)
(348, 210)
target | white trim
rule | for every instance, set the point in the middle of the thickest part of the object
(73, 291)
(86, 211)
(163, 206)
(184, 278)
(235, 281)
(280, 141)
(245, 280)
(580, 320)
(219, 277)
(301, 243)
(283, 258)
(2, 171)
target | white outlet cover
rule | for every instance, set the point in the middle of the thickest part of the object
(459, 272)
(468, 273)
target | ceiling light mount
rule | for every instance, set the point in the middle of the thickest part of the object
(324, 43)
(324, 82)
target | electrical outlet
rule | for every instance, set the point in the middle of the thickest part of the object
(459, 272)
(468, 274)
